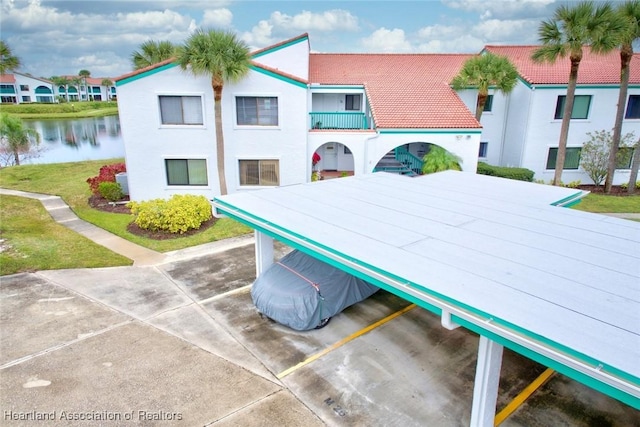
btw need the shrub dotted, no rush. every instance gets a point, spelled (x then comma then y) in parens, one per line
(107, 174)
(520, 174)
(179, 214)
(438, 159)
(112, 191)
(625, 185)
(573, 184)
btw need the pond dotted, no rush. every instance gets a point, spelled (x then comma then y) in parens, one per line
(77, 140)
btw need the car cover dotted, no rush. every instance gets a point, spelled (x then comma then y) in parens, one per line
(300, 291)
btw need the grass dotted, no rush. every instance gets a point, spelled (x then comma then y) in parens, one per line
(31, 241)
(65, 110)
(600, 203)
(68, 180)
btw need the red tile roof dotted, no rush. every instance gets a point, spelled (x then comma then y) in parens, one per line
(594, 69)
(7, 78)
(405, 91)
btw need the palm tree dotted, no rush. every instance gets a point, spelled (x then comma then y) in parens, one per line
(571, 28)
(18, 139)
(8, 61)
(84, 74)
(628, 12)
(485, 71)
(224, 58)
(61, 81)
(108, 83)
(151, 52)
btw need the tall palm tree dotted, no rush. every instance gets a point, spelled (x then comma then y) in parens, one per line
(224, 58)
(17, 138)
(571, 28)
(151, 52)
(84, 74)
(107, 83)
(61, 81)
(483, 72)
(628, 12)
(8, 61)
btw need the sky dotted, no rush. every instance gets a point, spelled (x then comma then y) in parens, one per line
(62, 37)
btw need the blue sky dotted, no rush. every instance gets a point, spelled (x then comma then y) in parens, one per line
(61, 37)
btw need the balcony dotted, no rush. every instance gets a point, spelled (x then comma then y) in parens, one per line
(338, 121)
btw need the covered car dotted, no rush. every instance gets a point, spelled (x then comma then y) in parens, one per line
(303, 293)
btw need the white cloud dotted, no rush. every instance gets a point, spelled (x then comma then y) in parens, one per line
(506, 31)
(384, 40)
(462, 44)
(259, 36)
(330, 20)
(502, 8)
(217, 18)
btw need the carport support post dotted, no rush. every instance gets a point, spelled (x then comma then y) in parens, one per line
(485, 390)
(264, 252)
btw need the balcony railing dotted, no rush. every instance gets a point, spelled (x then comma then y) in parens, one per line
(8, 90)
(341, 120)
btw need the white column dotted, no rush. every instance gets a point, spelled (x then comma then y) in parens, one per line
(485, 390)
(264, 252)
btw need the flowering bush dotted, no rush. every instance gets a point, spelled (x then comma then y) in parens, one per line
(179, 214)
(107, 174)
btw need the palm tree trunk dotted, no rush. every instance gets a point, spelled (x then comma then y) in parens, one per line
(482, 100)
(566, 119)
(635, 165)
(217, 96)
(626, 53)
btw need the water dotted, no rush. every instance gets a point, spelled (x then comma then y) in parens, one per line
(77, 140)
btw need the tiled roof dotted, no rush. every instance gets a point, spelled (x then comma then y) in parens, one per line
(7, 78)
(594, 69)
(405, 91)
(144, 70)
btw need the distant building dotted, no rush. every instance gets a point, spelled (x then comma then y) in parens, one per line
(18, 88)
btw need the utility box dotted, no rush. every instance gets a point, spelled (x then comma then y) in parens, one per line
(121, 178)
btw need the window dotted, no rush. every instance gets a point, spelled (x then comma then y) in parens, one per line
(488, 105)
(181, 110)
(571, 159)
(26, 99)
(352, 103)
(186, 171)
(623, 160)
(633, 107)
(24, 88)
(346, 150)
(257, 111)
(580, 107)
(483, 149)
(259, 172)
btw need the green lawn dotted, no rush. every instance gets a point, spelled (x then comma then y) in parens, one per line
(68, 180)
(65, 110)
(601, 203)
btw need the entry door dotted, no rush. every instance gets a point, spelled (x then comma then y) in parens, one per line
(330, 158)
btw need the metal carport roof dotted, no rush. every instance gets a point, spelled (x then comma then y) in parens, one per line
(558, 285)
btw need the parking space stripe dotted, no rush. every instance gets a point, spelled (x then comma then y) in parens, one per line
(345, 340)
(524, 395)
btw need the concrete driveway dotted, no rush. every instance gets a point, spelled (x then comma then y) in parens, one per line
(180, 343)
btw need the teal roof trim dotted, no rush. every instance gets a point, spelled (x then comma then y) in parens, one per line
(319, 86)
(279, 47)
(145, 74)
(278, 76)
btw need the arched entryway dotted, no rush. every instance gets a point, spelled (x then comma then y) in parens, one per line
(332, 159)
(406, 159)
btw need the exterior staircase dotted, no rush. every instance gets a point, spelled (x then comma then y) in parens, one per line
(396, 161)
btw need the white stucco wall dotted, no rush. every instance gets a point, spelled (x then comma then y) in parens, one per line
(291, 59)
(148, 143)
(286, 142)
(544, 131)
